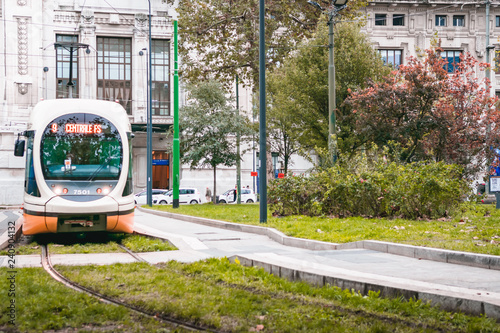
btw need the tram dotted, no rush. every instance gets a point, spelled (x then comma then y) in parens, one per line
(78, 168)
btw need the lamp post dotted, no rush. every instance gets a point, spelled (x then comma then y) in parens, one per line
(71, 47)
(149, 143)
(176, 143)
(333, 11)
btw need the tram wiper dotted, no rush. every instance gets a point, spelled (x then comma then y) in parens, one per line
(98, 170)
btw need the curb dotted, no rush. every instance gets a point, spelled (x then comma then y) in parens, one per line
(449, 299)
(418, 252)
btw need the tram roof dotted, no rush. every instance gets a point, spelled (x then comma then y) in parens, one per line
(51, 109)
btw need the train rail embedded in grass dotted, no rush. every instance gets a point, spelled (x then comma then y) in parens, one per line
(47, 265)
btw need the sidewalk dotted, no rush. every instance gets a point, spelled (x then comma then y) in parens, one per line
(9, 219)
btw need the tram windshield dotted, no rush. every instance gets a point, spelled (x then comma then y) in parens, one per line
(81, 146)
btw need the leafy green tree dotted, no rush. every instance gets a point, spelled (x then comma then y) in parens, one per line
(209, 125)
(299, 88)
(220, 38)
(283, 132)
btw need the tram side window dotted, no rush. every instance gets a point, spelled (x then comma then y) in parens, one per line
(30, 185)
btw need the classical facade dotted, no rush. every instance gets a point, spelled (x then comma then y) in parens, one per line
(101, 49)
(402, 28)
(97, 49)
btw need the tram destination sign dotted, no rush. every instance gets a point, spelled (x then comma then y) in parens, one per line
(78, 128)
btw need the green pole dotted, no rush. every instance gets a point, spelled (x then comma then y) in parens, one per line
(149, 138)
(176, 145)
(238, 161)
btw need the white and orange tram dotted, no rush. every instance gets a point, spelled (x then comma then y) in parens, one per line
(78, 168)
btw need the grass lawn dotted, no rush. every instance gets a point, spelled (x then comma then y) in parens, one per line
(41, 304)
(232, 298)
(475, 229)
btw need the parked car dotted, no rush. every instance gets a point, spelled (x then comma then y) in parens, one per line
(187, 195)
(247, 195)
(141, 197)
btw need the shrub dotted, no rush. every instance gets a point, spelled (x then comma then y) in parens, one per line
(372, 188)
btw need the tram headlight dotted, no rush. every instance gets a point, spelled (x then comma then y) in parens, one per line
(104, 191)
(58, 190)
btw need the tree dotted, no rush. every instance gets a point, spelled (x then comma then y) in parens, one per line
(429, 113)
(209, 125)
(283, 132)
(220, 38)
(298, 90)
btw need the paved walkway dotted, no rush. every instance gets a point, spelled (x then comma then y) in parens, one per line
(468, 285)
(8, 218)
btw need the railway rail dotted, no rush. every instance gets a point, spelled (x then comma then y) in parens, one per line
(47, 265)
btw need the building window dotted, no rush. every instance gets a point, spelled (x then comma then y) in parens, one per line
(392, 58)
(398, 20)
(63, 59)
(452, 58)
(161, 77)
(497, 62)
(114, 70)
(440, 20)
(459, 20)
(380, 19)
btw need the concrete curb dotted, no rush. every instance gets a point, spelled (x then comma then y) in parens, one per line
(452, 299)
(418, 252)
(4, 238)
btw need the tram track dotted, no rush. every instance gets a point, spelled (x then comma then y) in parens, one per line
(56, 275)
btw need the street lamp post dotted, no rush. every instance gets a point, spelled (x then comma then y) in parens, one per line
(71, 47)
(335, 8)
(149, 143)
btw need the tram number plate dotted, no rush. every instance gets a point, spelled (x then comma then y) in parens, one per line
(81, 192)
(84, 223)
(74, 221)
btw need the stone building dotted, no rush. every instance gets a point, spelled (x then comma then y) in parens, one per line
(110, 61)
(402, 28)
(109, 56)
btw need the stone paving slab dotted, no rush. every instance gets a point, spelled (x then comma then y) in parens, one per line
(9, 218)
(32, 260)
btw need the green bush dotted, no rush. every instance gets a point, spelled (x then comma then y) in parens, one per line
(372, 188)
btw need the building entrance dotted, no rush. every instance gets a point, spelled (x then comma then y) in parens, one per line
(161, 170)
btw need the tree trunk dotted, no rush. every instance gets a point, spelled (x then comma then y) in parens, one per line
(214, 199)
(269, 166)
